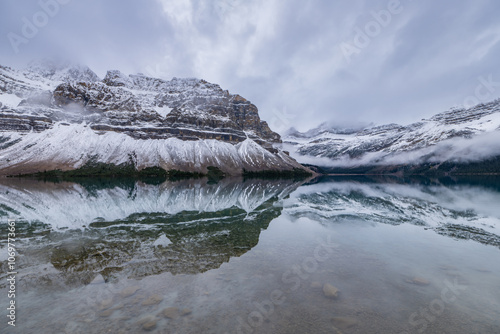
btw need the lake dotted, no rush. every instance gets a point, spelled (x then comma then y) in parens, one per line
(333, 255)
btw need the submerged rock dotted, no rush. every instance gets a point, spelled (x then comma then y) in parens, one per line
(105, 304)
(344, 322)
(129, 291)
(186, 311)
(152, 300)
(171, 312)
(418, 281)
(330, 291)
(148, 322)
(150, 325)
(106, 313)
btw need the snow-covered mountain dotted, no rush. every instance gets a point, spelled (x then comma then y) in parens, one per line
(455, 136)
(61, 116)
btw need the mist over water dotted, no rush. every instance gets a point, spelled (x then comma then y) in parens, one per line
(255, 256)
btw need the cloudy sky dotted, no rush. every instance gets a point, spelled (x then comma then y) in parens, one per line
(302, 62)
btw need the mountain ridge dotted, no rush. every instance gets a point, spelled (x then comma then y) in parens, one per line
(186, 124)
(455, 137)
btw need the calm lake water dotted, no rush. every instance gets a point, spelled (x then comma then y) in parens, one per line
(337, 255)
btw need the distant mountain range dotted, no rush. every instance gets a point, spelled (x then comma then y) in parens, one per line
(453, 142)
(61, 116)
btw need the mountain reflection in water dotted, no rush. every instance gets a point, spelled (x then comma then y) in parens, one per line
(193, 257)
(136, 229)
(459, 208)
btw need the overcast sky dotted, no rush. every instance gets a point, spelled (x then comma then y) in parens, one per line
(346, 62)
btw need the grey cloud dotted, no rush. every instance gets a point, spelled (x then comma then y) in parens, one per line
(283, 55)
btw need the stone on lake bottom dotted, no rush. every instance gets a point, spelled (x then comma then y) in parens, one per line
(330, 291)
(149, 325)
(152, 300)
(185, 311)
(419, 281)
(105, 304)
(106, 313)
(344, 322)
(171, 312)
(129, 291)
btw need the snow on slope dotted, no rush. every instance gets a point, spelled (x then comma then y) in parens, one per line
(9, 100)
(69, 146)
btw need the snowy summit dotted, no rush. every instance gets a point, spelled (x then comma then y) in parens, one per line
(57, 116)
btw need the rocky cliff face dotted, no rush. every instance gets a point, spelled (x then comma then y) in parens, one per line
(152, 121)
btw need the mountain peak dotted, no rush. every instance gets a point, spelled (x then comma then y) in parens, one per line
(185, 123)
(117, 79)
(62, 71)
